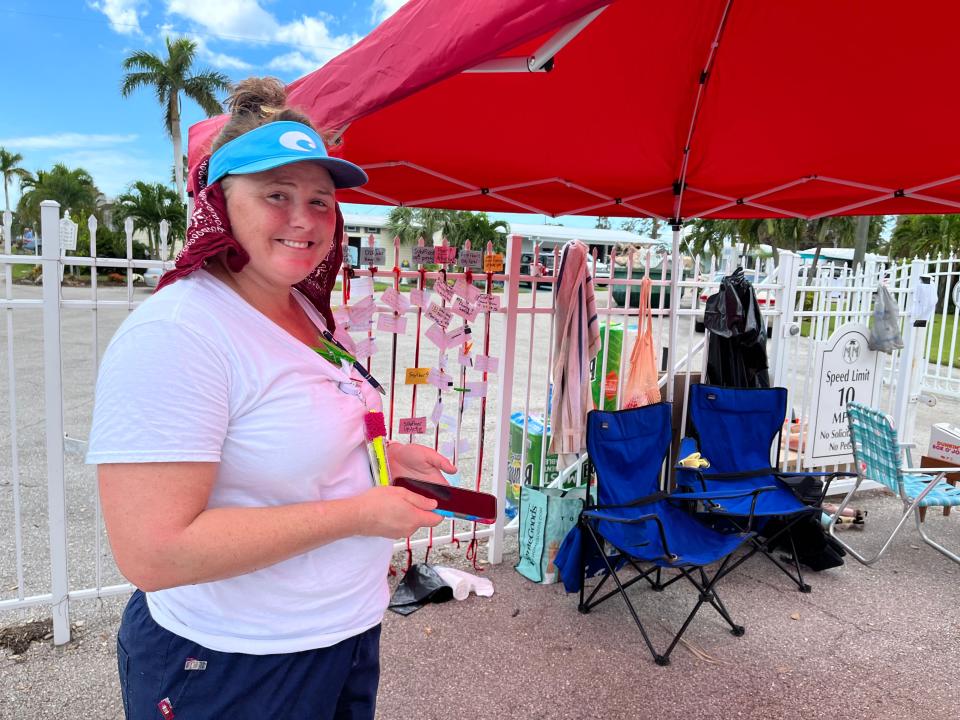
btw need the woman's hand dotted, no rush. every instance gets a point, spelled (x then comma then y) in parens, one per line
(394, 512)
(418, 462)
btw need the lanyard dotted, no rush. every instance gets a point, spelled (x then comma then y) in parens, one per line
(335, 353)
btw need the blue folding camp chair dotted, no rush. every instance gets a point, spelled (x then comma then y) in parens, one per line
(876, 454)
(736, 431)
(646, 528)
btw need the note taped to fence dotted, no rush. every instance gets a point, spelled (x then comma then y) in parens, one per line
(341, 316)
(416, 376)
(437, 413)
(493, 263)
(420, 298)
(437, 336)
(441, 316)
(392, 323)
(443, 290)
(444, 255)
(365, 348)
(476, 390)
(458, 336)
(487, 363)
(439, 379)
(362, 313)
(423, 255)
(395, 300)
(373, 256)
(343, 337)
(466, 290)
(464, 358)
(361, 286)
(413, 426)
(470, 259)
(464, 309)
(488, 303)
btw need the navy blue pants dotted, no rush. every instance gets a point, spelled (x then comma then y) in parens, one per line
(165, 676)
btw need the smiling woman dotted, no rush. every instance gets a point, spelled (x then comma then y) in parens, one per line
(244, 507)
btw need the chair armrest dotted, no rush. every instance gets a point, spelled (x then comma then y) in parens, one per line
(636, 521)
(930, 470)
(725, 496)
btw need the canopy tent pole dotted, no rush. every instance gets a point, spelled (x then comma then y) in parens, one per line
(674, 304)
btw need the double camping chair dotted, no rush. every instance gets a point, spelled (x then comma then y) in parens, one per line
(714, 511)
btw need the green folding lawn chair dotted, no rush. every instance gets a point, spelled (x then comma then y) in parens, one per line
(876, 454)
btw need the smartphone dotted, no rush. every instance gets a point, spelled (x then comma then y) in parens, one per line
(453, 501)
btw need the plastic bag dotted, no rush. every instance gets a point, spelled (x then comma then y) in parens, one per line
(643, 382)
(885, 328)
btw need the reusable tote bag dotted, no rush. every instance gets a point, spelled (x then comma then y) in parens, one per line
(643, 386)
(546, 516)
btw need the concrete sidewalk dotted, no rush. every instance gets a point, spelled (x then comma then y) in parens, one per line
(880, 642)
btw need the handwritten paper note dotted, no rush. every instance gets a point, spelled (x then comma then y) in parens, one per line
(365, 348)
(420, 298)
(341, 316)
(361, 286)
(343, 337)
(423, 255)
(437, 336)
(395, 300)
(493, 263)
(416, 376)
(439, 315)
(437, 412)
(464, 309)
(488, 303)
(444, 255)
(392, 323)
(413, 425)
(458, 336)
(443, 290)
(439, 379)
(362, 313)
(477, 390)
(466, 290)
(487, 363)
(373, 256)
(471, 259)
(464, 358)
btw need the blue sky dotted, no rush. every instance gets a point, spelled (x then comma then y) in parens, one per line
(61, 98)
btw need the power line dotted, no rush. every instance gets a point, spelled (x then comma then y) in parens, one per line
(221, 36)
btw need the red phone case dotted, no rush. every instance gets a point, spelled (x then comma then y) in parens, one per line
(457, 502)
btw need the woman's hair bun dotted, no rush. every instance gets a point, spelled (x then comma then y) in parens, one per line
(257, 96)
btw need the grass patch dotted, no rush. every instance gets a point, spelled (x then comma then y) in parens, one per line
(944, 326)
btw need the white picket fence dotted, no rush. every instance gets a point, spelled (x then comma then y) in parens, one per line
(76, 562)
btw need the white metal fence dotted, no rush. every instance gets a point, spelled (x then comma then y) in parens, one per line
(52, 543)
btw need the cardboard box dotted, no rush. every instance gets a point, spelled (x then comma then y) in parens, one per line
(945, 442)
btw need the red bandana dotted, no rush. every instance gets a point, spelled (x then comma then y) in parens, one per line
(209, 234)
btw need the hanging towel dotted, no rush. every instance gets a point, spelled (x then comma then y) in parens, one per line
(575, 344)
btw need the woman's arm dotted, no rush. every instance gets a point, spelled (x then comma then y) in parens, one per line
(163, 536)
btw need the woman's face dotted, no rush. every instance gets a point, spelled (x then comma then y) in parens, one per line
(285, 219)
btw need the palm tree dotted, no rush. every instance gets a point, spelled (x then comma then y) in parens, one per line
(168, 78)
(149, 204)
(10, 168)
(73, 189)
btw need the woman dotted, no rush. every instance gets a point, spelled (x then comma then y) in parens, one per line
(241, 503)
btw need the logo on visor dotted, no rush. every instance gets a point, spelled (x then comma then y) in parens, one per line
(296, 140)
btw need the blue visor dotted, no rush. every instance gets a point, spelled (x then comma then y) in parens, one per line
(276, 144)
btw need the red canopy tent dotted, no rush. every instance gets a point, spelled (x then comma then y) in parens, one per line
(648, 108)
(693, 108)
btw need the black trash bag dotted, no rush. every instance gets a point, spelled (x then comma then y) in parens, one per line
(737, 354)
(420, 585)
(815, 548)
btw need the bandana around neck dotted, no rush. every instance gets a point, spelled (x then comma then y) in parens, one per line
(209, 234)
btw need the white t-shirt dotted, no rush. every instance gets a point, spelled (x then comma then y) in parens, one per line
(197, 374)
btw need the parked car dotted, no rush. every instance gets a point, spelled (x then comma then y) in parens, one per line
(763, 288)
(151, 276)
(544, 265)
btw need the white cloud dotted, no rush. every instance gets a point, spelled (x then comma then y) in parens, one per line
(217, 59)
(63, 140)
(382, 9)
(246, 20)
(122, 14)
